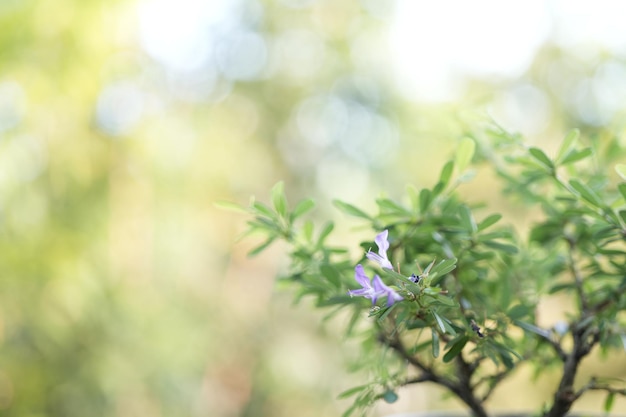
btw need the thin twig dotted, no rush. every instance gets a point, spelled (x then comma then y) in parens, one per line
(593, 385)
(577, 275)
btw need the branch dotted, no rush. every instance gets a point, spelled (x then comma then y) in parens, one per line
(609, 302)
(593, 385)
(427, 372)
(418, 379)
(461, 388)
(578, 279)
(565, 396)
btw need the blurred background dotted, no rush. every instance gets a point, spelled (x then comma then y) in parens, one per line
(122, 290)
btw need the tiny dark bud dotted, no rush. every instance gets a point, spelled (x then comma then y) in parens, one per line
(415, 278)
(476, 328)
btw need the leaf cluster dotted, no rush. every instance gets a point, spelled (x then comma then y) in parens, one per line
(475, 301)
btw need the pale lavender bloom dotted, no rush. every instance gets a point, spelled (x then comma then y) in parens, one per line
(383, 246)
(379, 289)
(367, 291)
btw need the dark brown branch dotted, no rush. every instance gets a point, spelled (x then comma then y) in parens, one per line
(585, 338)
(558, 349)
(418, 379)
(461, 388)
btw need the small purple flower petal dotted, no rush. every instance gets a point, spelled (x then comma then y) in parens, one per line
(367, 291)
(381, 288)
(383, 245)
(373, 289)
(392, 297)
(361, 278)
(382, 242)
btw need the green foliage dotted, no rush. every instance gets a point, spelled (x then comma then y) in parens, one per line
(483, 278)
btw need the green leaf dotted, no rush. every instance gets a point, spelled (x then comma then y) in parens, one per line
(456, 348)
(302, 207)
(393, 274)
(532, 328)
(502, 247)
(441, 269)
(568, 144)
(435, 343)
(575, 155)
(351, 210)
(425, 200)
(608, 402)
(341, 300)
(444, 266)
(446, 172)
(278, 199)
(443, 300)
(350, 392)
(518, 311)
(416, 324)
(230, 206)
(264, 210)
(505, 354)
(464, 153)
(622, 189)
(507, 360)
(350, 410)
(568, 286)
(586, 193)
(429, 267)
(262, 246)
(437, 189)
(439, 321)
(384, 312)
(467, 219)
(621, 170)
(500, 234)
(489, 221)
(448, 325)
(541, 157)
(444, 178)
(331, 274)
(307, 230)
(391, 206)
(328, 227)
(263, 225)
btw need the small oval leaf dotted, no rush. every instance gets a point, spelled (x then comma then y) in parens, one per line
(568, 144)
(541, 157)
(435, 343)
(464, 153)
(302, 207)
(351, 210)
(456, 348)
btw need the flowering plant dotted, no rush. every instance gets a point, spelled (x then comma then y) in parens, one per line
(470, 317)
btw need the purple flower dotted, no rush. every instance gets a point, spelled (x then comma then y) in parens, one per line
(374, 289)
(380, 287)
(383, 246)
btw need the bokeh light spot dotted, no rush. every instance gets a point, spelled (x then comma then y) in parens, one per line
(12, 105)
(119, 107)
